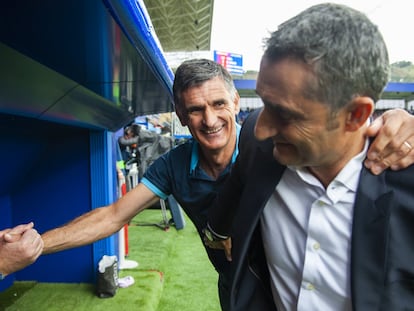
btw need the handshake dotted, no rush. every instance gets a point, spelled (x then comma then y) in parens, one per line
(19, 247)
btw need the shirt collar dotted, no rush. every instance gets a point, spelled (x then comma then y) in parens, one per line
(349, 175)
(195, 155)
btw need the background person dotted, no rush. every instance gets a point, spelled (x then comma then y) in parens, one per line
(129, 143)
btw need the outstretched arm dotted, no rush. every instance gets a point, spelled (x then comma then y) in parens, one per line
(99, 223)
(392, 146)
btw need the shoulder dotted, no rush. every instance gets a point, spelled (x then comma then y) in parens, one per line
(183, 148)
(177, 155)
(169, 170)
(401, 181)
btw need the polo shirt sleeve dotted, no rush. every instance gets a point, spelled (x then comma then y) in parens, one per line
(157, 177)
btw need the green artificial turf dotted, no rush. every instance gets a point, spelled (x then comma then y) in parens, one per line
(173, 274)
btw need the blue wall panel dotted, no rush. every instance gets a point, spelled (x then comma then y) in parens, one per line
(5, 222)
(70, 62)
(49, 185)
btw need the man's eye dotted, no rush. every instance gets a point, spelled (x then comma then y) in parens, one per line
(193, 111)
(219, 105)
(284, 116)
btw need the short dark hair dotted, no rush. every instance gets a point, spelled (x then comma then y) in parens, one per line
(345, 50)
(194, 72)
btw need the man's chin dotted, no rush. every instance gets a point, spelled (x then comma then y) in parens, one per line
(213, 144)
(214, 139)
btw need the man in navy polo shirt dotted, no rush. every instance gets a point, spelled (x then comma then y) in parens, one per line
(207, 102)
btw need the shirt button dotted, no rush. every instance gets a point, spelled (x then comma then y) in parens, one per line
(316, 246)
(310, 286)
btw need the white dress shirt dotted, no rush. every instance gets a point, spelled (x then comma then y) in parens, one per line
(306, 233)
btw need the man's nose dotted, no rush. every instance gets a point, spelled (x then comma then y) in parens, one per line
(209, 117)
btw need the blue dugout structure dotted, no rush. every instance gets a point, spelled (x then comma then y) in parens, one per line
(72, 73)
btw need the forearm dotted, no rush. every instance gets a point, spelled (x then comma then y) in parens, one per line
(83, 230)
(99, 223)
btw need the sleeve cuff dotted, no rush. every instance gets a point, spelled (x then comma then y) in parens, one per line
(217, 235)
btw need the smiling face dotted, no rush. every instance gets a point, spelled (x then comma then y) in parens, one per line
(304, 131)
(209, 111)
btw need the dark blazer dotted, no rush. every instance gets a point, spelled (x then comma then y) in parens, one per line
(382, 255)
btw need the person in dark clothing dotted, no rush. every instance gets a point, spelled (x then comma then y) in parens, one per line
(311, 228)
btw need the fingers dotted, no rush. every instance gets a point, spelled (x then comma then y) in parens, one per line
(375, 127)
(402, 157)
(17, 255)
(224, 245)
(227, 249)
(391, 147)
(21, 228)
(3, 232)
(213, 244)
(10, 238)
(14, 234)
(407, 160)
(32, 243)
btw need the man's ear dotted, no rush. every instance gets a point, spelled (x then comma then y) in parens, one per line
(360, 109)
(237, 103)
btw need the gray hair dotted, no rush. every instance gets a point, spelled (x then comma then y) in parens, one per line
(195, 72)
(343, 47)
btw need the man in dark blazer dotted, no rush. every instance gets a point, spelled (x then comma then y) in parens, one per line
(310, 227)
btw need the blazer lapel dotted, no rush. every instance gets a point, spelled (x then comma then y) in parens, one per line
(369, 241)
(261, 184)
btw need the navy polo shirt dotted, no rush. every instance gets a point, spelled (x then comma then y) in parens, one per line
(178, 173)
